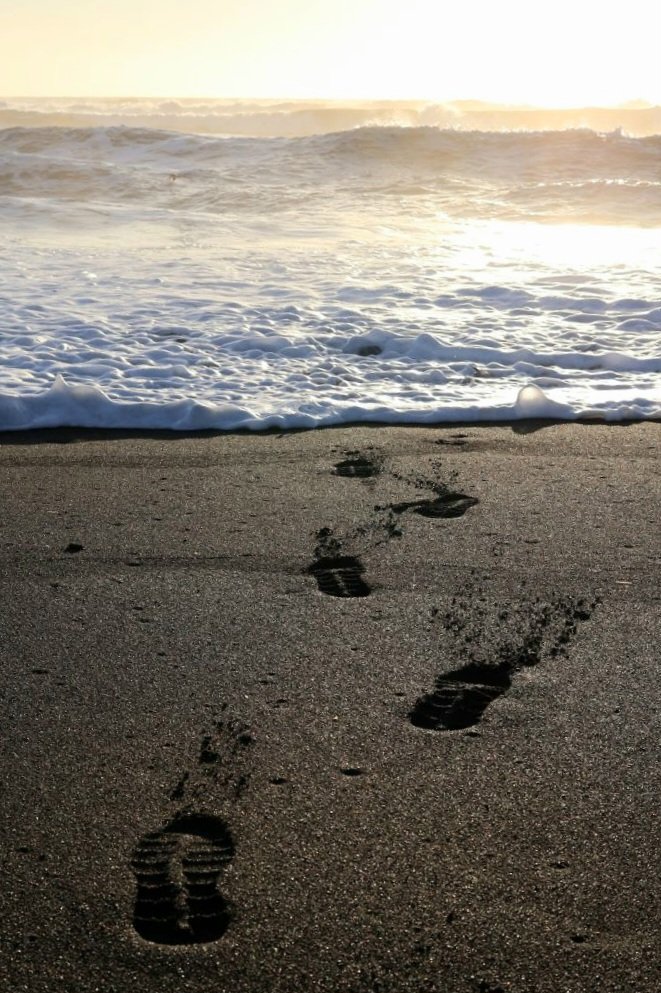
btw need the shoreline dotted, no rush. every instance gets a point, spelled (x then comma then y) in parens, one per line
(395, 688)
(73, 432)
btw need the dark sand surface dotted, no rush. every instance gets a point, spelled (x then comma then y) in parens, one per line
(167, 651)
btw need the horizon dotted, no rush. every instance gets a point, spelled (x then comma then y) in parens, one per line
(465, 102)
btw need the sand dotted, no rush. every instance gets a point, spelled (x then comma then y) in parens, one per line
(362, 709)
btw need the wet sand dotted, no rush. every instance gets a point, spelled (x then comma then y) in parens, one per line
(361, 709)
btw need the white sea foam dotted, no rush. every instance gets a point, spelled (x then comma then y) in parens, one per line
(152, 279)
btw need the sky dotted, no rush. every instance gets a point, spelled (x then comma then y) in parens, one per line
(547, 53)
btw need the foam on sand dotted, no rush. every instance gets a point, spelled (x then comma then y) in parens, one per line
(88, 406)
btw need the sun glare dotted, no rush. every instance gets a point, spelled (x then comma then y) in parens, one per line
(576, 246)
(560, 54)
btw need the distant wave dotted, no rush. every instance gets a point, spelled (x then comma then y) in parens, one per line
(575, 152)
(573, 175)
(300, 118)
(580, 149)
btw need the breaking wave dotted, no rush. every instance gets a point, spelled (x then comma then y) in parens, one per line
(269, 118)
(578, 175)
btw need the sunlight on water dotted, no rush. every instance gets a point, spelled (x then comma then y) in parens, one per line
(518, 253)
(182, 280)
(577, 246)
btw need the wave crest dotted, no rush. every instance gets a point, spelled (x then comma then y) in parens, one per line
(573, 175)
(264, 118)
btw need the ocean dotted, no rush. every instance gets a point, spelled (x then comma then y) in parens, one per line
(232, 264)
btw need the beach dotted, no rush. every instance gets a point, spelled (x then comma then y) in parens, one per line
(356, 709)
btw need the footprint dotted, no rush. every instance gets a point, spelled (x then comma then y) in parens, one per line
(518, 636)
(447, 505)
(358, 466)
(460, 698)
(340, 576)
(176, 871)
(456, 440)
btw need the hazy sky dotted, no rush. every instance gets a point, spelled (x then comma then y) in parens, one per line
(560, 52)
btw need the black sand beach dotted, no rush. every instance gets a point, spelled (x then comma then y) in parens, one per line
(366, 709)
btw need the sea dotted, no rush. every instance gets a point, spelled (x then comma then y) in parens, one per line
(208, 264)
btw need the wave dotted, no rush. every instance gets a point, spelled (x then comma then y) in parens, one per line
(576, 175)
(575, 152)
(264, 118)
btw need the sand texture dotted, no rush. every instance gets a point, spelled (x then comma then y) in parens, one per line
(366, 710)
